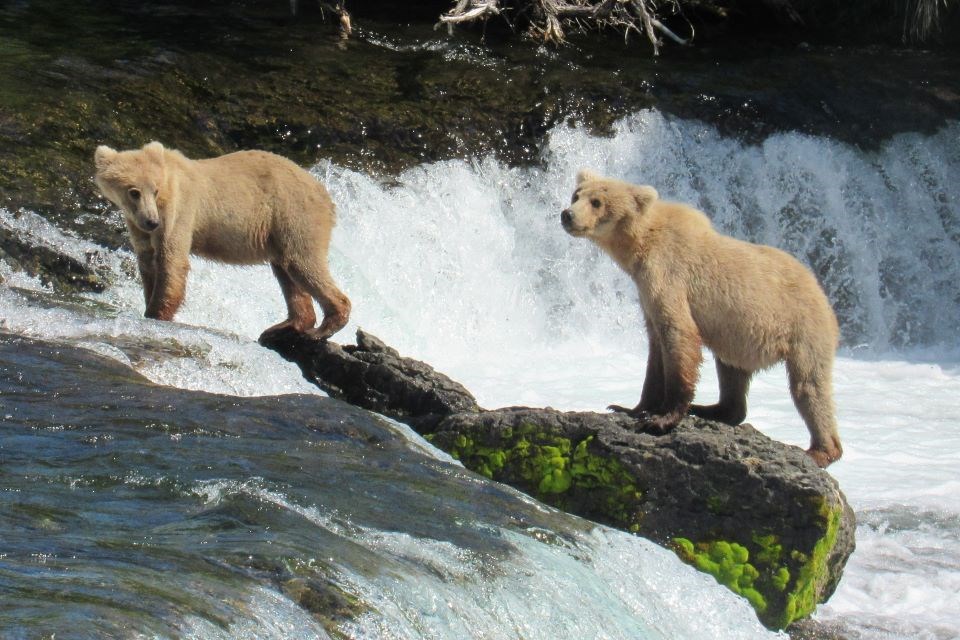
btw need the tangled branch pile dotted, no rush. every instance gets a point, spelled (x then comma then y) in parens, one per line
(548, 19)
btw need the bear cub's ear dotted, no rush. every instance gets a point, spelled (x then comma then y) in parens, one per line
(155, 149)
(103, 156)
(644, 196)
(586, 174)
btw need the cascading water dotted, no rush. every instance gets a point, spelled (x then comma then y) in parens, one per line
(464, 265)
(478, 250)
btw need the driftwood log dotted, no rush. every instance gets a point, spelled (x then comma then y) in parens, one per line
(756, 514)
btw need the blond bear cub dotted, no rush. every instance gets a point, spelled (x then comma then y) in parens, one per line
(752, 305)
(247, 207)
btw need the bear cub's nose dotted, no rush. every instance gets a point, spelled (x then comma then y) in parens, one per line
(566, 218)
(151, 224)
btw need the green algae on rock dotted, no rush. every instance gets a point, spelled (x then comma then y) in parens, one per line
(781, 584)
(728, 562)
(559, 471)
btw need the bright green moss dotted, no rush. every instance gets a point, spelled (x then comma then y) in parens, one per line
(781, 578)
(754, 597)
(728, 563)
(769, 549)
(782, 586)
(684, 548)
(813, 572)
(555, 469)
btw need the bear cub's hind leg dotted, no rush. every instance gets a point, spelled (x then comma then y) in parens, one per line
(300, 314)
(336, 306)
(810, 387)
(732, 407)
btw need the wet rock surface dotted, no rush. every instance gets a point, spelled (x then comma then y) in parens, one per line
(374, 376)
(756, 514)
(55, 269)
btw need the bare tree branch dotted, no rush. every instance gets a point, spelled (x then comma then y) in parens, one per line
(640, 8)
(469, 11)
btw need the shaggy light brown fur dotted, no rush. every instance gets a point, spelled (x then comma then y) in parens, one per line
(247, 207)
(752, 305)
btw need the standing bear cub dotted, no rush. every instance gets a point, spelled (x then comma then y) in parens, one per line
(752, 305)
(247, 207)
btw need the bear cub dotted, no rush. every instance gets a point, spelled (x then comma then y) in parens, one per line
(752, 305)
(247, 207)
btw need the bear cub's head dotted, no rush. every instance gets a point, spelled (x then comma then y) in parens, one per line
(600, 204)
(133, 180)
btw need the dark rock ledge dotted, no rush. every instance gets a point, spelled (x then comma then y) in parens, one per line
(53, 267)
(756, 514)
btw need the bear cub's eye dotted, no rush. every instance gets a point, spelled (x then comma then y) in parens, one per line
(575, 197)
(595, 203)
(134, 194)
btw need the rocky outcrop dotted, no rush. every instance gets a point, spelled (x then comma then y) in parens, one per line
(756, 514)
(374, 376)
(53, 268)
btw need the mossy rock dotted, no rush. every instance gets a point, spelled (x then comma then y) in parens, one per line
(783, 585)
(757, 515)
